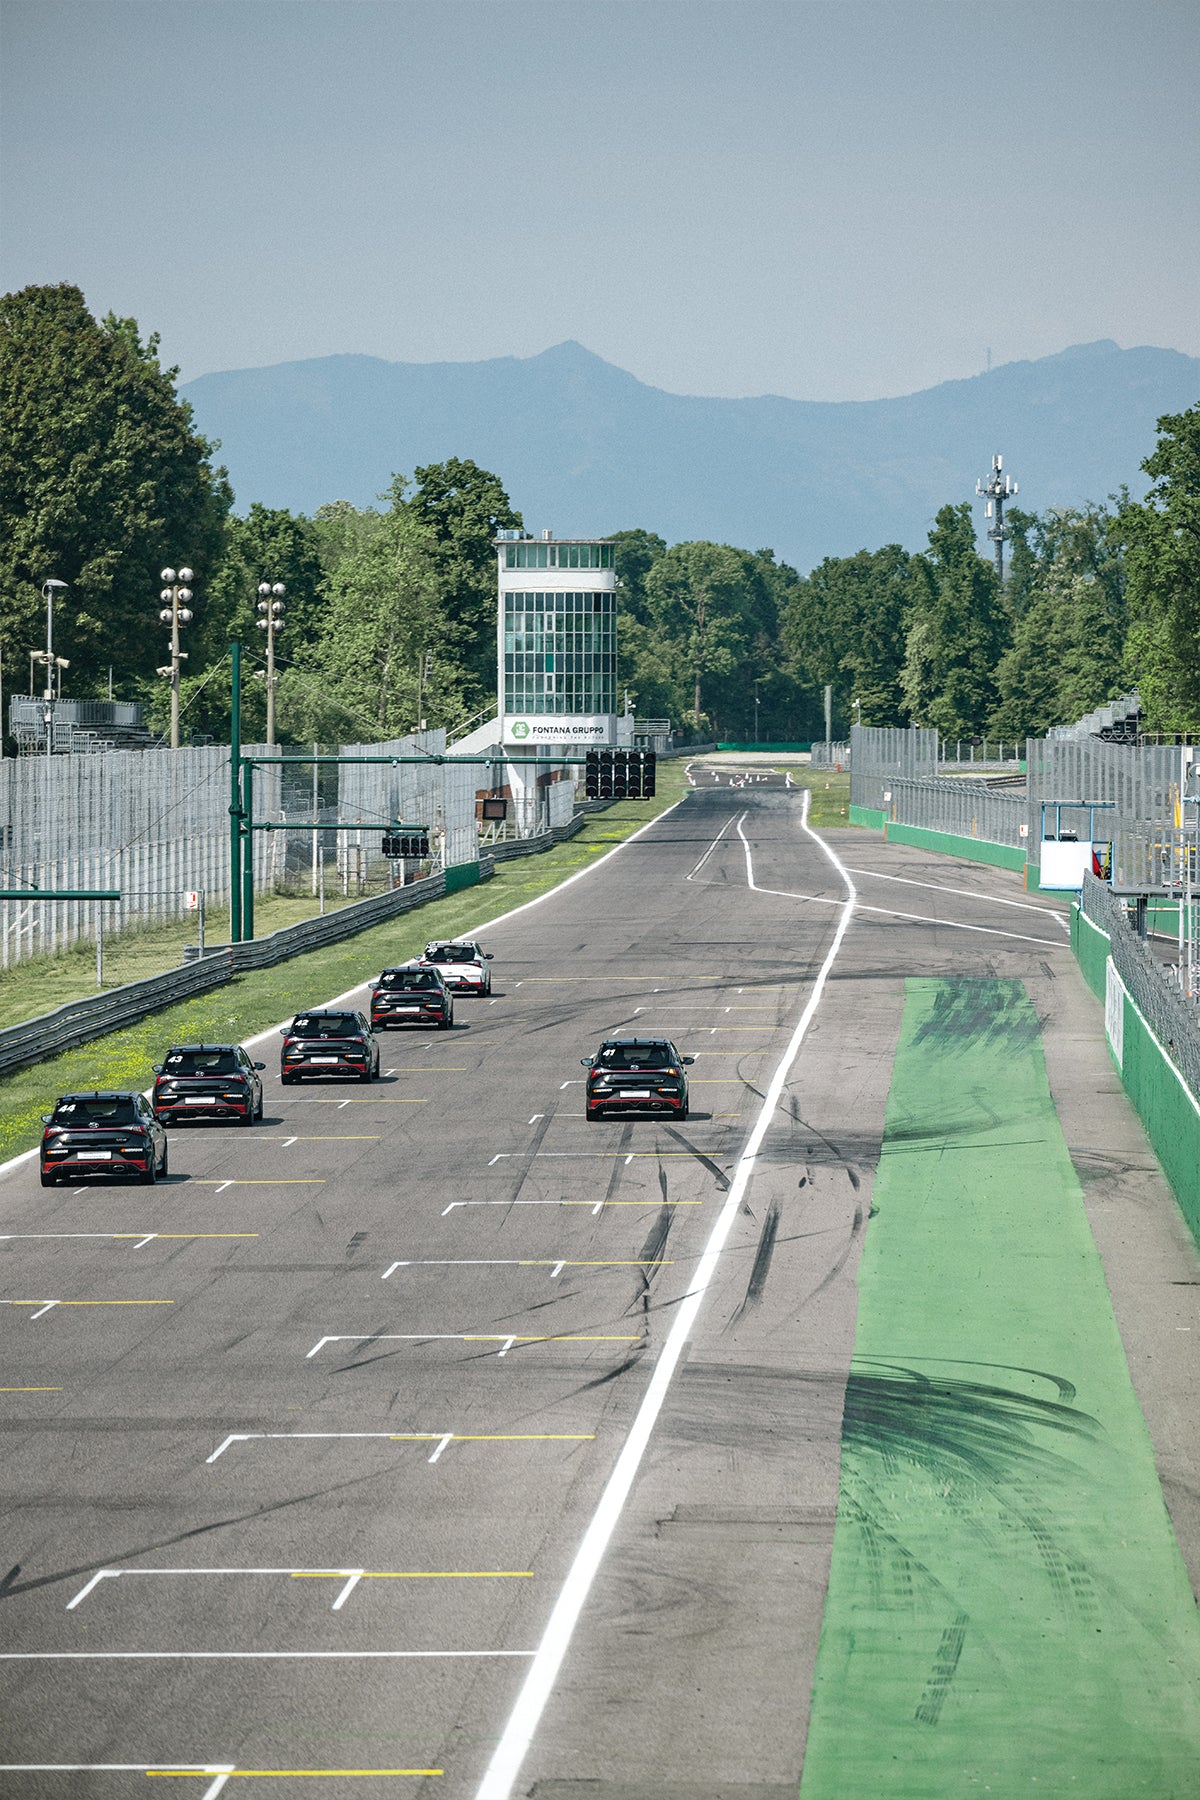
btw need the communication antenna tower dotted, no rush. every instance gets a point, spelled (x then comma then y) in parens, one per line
(996, 490)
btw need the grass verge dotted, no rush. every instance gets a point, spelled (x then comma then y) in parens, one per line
(252, 1002)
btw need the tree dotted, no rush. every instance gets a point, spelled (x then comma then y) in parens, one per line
(387, 648)
(462, 507)
(1162, 536)
(846, 625)
(103, 481)
(949, 676)
(704, 607)
(634, 554)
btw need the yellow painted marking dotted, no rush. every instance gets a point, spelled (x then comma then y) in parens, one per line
(499, 1437)
(415, 1574)
(34, 1390)
(336, 1137)
(606, 1262)
(558, 1337)
(88, 1303)
(361, 1100)
(609, 1203)
(237, 1774)
(286, 1181)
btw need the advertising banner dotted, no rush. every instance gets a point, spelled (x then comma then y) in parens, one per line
(558, 730)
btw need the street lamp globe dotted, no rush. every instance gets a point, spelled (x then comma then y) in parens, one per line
(166, 575)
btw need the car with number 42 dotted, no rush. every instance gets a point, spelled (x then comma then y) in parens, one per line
(325, 1042)
(411, 995)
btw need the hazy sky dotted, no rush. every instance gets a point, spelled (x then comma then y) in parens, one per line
(828, 199)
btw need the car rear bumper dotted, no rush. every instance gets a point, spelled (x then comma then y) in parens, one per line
(654, 1102)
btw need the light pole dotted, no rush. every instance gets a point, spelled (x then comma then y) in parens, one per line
(756, 712)
(175, 596)
(270, 620)
(48, 587)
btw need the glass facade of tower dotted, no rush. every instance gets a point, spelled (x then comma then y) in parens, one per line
(560, 645)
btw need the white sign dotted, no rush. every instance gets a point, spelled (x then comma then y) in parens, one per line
(558, 728)
(1114, 1011)
(1064, 865)
(191, 900)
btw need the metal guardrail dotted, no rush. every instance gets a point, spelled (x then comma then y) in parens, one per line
(78, 1021)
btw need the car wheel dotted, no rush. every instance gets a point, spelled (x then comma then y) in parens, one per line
(592, 1112)
(49, 1180)
(247, 1118)
(445, 1022)
(162, 1173)
(683, 1111)
(149, 1174)
(289, 1080)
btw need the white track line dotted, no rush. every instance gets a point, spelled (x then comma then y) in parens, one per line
(502, 1771)
(940, 887)
(725, 827)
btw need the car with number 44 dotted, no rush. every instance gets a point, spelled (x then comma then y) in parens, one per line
(102, 1133)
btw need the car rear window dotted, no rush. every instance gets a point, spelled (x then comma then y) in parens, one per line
(635, 1056)
(119, 1110)
(326, 1025)
(201, 1062)
(408, 979)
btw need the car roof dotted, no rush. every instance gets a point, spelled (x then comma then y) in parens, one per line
(100, 1094)
(327, 1012)
(177, 1048)
(628, 1043)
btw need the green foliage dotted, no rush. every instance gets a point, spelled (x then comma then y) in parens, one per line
(1069, 622)
(846, 624)
(103, 482)
(462, 507)
(634, 554)
(1162, 536)
(957, 630)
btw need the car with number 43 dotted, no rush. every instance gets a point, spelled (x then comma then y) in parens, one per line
(463, 965)
(102, 1133)
(636, 1075)
(207, 1081)
(325, 1042)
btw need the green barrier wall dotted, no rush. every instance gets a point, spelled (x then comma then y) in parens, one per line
(461, 875)
(872, 817)
(1091, 947)
(969, 849)
(1166, 1107)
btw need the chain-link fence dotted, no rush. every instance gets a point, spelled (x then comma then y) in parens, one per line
(834, 755)
(958, 808)
(879, 756)
(1174, 1020)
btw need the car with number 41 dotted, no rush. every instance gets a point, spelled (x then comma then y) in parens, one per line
(636, 1075)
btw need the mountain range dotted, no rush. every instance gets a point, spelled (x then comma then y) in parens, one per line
(585, 448)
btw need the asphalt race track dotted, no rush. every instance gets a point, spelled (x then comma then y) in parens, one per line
(428, 1439)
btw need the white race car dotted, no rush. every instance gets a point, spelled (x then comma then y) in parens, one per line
(463, 966)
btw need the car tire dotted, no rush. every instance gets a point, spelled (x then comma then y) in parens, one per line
(149, 1174)
(367, 1074)
(163, 1172)
(288, 1080)
(445, 1022)
(684, 1110)
(247, 1118)
(49, 1180)
(592, 1113)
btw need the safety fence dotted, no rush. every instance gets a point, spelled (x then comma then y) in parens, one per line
(1153, 1034)
(830, 755)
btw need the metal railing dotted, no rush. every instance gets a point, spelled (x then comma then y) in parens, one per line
(1174, 1020)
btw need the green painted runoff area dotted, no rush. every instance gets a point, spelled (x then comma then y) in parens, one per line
(1008, 1611)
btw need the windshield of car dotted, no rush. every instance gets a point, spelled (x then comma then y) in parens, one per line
(326, 1025)
(634, 1056)
(408, 979)
(116, 1109)
(201, 1062)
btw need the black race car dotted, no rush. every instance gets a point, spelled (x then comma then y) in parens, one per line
(411, 995)
(328, 1043)
(111, 1134)
(207, 1081)
(636, 1075)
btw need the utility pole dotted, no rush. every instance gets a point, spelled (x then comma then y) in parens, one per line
(996, 490)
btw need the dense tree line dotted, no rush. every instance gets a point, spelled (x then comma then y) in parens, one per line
(390, 610)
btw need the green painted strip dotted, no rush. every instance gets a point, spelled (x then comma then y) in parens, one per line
(873, 817)
(1008, 1612)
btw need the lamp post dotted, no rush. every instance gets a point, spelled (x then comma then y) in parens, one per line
(48, 587)
(756, 712)
(270, 620)
(175, 596)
